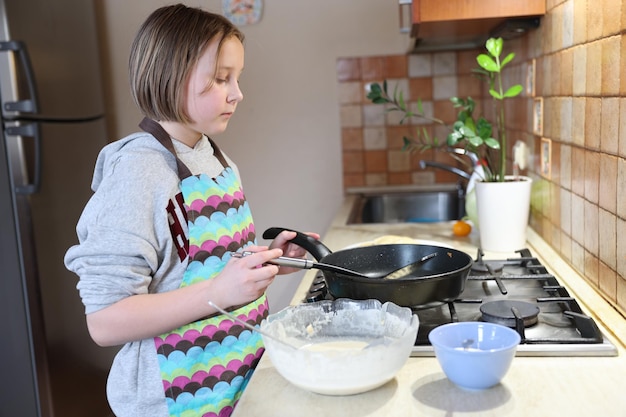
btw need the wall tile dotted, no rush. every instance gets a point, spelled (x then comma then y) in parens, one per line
(353, 162)
(622, 59)
(608, 183)
(593, 119)
(348, 69)
(568, 24)
(373, 115)
(578, 219)
(547, 76)
(566, 167)
(579, 72)
(621, 146)
(375, 179)
(621, 250)
(610, 64)
(565, 119)
(398, 161)
(555, 206)
(594, 20)
(350, 116)
(594, 68)
(397, 86)
(349, 92)
(621, 292)
(372, 68)
(556, 166)
(421, 88)
(444, 63)
(566, 72)
(395, 66)
(556, 28)
(374, 138)
(578, 121)
(609, 134)
(591, 175)
(580, 21)
(608, 282)
(566, 247)
(352, 139)
(420, 65)
(426, 108)
(469, 86)
(376, 161)
(611, 17)
(353, 180)
(399, 178)
(550, 120)
(578, 257)
(591, 268)
(395, 118)
(395, 135)
(422, 177)
(444, 87)
(590, 223)
(466, 61)
(608, 238)
(621, 192)
(578, 171)
(445, 111)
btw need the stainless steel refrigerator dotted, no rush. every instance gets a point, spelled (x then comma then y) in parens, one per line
(53, 126)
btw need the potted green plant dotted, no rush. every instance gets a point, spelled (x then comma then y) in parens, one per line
(475, 134)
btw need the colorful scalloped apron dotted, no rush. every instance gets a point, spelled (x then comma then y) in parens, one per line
(206, 365)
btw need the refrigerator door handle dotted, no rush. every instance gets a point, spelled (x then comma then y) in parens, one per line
(29, 105)
(29, 130)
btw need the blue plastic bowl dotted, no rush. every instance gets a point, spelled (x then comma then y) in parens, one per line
(474, 355)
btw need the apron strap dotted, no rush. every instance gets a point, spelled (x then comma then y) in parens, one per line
(156, 130)
(218, 153)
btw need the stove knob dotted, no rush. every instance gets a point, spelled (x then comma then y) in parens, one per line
(314, 296)
(319, 279)
(319, 288)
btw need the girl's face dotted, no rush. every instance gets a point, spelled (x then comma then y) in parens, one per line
(213, 91)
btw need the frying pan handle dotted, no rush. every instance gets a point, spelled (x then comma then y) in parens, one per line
(312, 245)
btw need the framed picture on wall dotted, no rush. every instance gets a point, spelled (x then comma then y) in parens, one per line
(530, 78)
(546, 158)
(538, 116)
(242, 12)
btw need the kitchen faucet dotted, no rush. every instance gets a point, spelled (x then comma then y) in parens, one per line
(470, 177)
(424, 164)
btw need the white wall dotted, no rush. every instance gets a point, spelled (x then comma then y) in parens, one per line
(286, 135)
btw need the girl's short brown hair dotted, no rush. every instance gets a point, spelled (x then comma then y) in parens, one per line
(165, 51)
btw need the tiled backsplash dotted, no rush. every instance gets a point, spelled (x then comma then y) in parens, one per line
(579, 194)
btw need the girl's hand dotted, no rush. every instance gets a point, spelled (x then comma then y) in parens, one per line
(244, 279)
(283, 241)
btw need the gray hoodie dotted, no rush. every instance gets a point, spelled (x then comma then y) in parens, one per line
(126, 248)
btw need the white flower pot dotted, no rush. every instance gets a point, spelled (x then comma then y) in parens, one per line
(503, 209)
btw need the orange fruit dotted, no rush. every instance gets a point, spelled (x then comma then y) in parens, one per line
(461, 228)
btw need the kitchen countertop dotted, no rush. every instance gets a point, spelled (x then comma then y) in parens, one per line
(541, 386)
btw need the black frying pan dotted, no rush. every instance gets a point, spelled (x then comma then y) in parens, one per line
(440, 280)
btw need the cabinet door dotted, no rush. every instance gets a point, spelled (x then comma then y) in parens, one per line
(433, 17)
(438, 10)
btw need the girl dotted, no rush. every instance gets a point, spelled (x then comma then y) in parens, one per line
(155, 238)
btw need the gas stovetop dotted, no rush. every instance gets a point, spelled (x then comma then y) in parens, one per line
(517, 292)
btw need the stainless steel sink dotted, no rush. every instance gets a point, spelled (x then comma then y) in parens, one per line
(423, 204)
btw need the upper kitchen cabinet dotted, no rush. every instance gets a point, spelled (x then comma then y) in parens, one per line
(460, 24)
